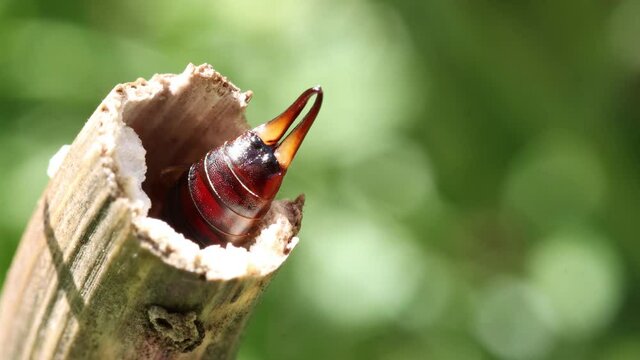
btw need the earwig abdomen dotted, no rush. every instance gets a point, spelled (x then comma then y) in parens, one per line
(224, 196)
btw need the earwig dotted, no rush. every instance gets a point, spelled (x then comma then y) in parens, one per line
(223, 197)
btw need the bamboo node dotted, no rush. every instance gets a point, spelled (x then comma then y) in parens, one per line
(181, 331)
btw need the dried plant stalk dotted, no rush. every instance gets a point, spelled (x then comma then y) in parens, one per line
(96, 276)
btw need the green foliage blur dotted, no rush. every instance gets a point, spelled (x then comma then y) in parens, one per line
(472, 180)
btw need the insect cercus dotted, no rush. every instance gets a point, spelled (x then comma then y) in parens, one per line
(223, 197)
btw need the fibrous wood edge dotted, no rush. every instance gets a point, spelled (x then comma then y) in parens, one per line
(96, 277)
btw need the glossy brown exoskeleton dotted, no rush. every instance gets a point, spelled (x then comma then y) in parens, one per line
(223, 197)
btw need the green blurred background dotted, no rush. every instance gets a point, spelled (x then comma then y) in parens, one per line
(472, 181)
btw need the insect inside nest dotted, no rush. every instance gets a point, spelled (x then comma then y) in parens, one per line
(223, 197)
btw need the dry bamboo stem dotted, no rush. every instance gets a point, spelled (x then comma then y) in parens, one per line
(96, 277)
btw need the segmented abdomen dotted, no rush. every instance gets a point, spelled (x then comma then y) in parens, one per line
(214, 206)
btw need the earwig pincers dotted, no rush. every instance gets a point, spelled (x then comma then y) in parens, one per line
(223, 197)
